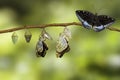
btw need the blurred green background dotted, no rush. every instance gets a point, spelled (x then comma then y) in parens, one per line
(93, 56)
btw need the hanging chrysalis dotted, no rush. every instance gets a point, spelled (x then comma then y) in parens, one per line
(62, 46)
(28, 36)
(45, 35)
(67, 33)
(41, 48)
(62, 43)
(14, 37)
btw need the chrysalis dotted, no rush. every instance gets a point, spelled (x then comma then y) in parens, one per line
(62, 46)
(67, 33)
(60, 54)
(28, 36)
(14, 37)
(45, 35)
(41, 48)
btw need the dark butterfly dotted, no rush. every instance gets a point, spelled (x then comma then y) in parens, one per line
(94, 21)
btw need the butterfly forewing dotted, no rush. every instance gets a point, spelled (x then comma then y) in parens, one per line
(85, 17)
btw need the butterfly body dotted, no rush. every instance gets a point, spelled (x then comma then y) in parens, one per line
(94, 21)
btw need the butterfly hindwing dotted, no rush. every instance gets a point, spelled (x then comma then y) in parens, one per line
(106, 20)
(98, 28)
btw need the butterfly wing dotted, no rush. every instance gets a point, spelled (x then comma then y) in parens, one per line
(85, 17)
(106, 21)
(98, 28)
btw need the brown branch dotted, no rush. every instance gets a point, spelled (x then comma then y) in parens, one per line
(113, 29)
(50, 25)
(40, 26)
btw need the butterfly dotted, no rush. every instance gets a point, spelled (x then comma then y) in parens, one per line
(94, 21)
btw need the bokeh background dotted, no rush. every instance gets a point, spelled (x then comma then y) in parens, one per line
(93, 56)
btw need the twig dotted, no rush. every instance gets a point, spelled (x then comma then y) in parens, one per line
(113, 29)
(40, 26)
(50, 25)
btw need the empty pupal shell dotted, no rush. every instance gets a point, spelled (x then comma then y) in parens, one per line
(62, 46)
(14, 37)
(60, 54)
(45, 35)
(41, 48)
(28, 36)
(67, 33)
